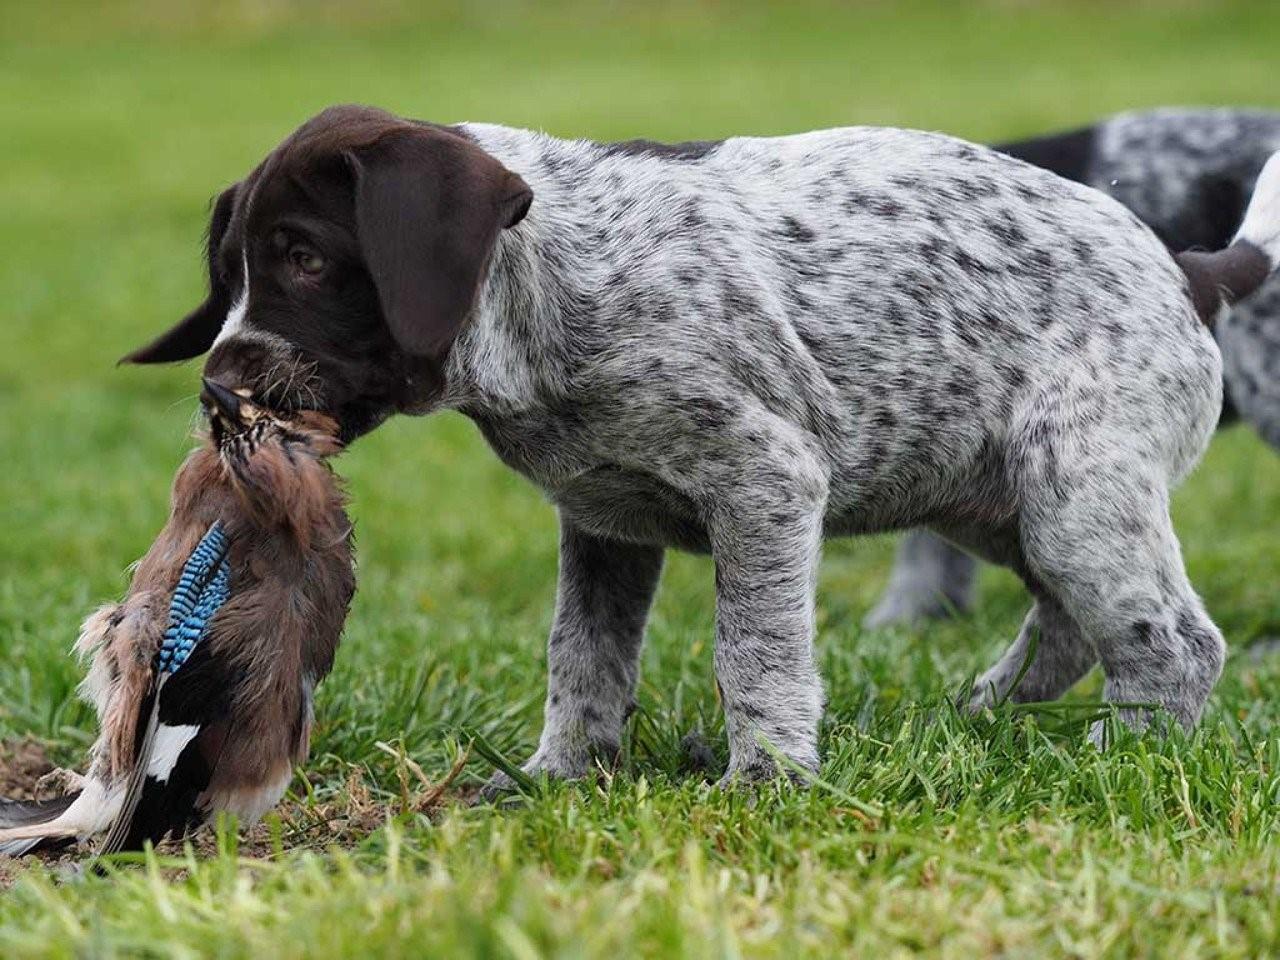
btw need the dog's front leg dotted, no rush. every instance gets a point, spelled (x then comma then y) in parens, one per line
(766, 542)
(602, 604)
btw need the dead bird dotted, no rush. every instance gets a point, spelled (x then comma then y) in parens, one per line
(203, 675)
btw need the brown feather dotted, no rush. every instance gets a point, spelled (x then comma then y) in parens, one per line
(292, 583)
(292, 580)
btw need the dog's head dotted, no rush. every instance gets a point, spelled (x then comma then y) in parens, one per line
(343, 267)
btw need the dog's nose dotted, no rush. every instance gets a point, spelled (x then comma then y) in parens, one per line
(217, 399)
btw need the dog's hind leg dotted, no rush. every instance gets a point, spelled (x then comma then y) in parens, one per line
(1060, 654)
(1050, 652)
(1097, 534)
(931, 579)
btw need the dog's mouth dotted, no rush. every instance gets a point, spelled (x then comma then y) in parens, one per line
(274, 377)
(285, 384)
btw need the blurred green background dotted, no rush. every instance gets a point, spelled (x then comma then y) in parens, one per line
(118, 122)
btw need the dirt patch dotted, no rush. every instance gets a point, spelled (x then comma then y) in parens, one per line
(347, 816)
(343, 821)
(22, 765)
(27, 773)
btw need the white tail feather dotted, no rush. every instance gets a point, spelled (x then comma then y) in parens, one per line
(90, 813)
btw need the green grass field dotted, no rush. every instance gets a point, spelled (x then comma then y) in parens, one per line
(996, 836)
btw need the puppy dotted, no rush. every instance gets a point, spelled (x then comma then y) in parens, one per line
(1188, 174)
(740, 348)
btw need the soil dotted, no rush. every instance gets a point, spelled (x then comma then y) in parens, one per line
(297, 822)
(22, 764)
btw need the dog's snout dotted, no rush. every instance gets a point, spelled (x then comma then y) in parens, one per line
(270, 372)
(238, 360)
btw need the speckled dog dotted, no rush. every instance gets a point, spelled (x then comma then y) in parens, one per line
(1187, 173)
(740, 347)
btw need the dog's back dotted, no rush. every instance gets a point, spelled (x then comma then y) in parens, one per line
(902, 298)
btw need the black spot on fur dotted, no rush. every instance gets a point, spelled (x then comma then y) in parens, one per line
(687, 151)
(795, 231)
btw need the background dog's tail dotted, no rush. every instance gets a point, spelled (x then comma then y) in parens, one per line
(1220, 279)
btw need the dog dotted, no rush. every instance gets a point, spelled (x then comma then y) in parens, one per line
(740, 347)
(1188, 174)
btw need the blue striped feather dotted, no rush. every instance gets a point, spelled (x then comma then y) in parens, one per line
(203, 587)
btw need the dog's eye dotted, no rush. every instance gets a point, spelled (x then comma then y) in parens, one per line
(307, 260)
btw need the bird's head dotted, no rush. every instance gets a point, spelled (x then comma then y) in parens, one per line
(274, 459)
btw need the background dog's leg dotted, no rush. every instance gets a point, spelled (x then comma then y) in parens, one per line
(1063, 654)
(1250, 340)
(602, 603)
(766, 548)
(930, 579)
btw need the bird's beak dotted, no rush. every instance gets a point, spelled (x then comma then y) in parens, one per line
(220, 402)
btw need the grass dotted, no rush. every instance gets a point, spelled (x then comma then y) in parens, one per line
(1002, 835)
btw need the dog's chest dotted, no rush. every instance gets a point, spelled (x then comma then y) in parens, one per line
(632, 506)
(601, 497)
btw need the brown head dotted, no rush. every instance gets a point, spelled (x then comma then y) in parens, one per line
(274, 461)
(343, 267)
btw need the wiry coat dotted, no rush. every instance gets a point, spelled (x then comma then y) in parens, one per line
(746, 346)
(236, 718)
(1188, 173)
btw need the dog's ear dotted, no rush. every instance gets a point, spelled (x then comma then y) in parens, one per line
(195, 333)
(429, 207)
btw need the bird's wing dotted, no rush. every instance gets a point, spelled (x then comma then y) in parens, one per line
(188, 724)
(158, 796)
(123, 825)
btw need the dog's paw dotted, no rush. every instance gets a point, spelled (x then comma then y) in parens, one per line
(985, 695)
(696, 755)
(763, 769)
(548, 765)
(498, 787)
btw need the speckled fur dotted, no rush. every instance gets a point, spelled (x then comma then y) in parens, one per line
(841, 332)
(742, 347)
(1188, 174)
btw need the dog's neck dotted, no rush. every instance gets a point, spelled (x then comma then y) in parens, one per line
(518, 349)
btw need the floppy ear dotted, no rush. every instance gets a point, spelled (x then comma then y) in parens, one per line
(429, 206)
(195, 333)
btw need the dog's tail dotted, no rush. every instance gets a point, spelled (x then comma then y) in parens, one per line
(1222, 278)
